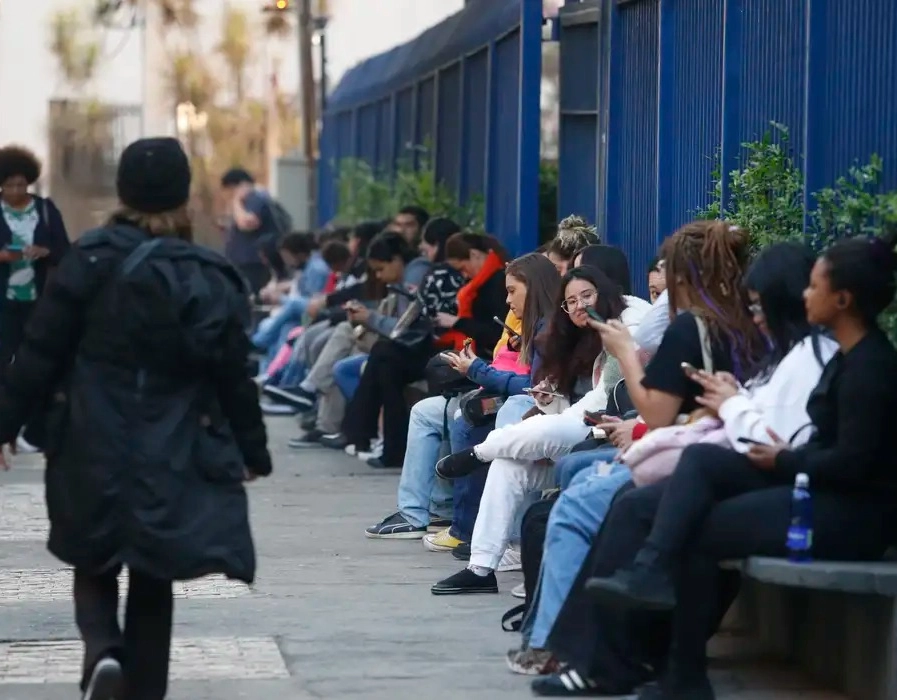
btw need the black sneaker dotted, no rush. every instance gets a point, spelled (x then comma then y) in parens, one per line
(395, 527)
(311, 439)
(296, 396)
(569, 683)
(640, 587)
(335, 441)
(106, 681)
(465, 581)
(458, 465)
(462, 552)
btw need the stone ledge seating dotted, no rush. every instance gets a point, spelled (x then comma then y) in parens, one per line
(836, 620)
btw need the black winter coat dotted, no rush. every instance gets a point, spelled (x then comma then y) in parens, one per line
(145, 466)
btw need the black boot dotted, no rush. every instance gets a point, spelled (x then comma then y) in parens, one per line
(698, 689)
(646, 585)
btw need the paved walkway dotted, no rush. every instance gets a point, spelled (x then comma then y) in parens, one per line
(332, 615)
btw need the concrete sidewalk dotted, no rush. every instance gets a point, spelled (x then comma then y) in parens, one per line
(332, 615)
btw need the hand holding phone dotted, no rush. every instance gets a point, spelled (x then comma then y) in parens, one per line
(594, 315)
(511, 331)
(689, 369)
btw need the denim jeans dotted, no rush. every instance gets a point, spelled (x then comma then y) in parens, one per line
(272, 332)
(566, 468)
(575, 519)
(421, 492)
(347, 374)
(469, 490)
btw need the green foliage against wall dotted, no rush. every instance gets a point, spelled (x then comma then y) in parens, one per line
(767, 197)
(367, 194)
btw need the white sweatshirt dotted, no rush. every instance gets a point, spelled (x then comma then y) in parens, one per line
(780, 403)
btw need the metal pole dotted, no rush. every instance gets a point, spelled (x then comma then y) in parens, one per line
(322, 36)
(307, 81)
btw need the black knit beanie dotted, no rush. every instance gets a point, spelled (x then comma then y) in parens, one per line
(154, 175)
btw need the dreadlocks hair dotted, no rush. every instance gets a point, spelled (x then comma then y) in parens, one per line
(574, 233)
(705, 263)
(18, 160)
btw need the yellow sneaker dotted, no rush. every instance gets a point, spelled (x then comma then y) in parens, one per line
(441, 541)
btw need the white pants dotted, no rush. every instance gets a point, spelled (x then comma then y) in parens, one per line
(507, 485)
(514, 451)
(539, 437)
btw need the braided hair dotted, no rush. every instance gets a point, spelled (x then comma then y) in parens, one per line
(705, 265)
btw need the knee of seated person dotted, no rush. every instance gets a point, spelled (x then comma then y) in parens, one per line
(697, 459)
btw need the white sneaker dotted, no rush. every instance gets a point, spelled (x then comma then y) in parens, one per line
(519, 591)
(510, 560)
(24, 447)
(376, 451)
(351, 450)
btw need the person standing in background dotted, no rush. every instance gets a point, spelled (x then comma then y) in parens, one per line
(255, 219)
(33, 240)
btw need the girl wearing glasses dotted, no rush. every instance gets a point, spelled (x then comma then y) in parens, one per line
(577, 375)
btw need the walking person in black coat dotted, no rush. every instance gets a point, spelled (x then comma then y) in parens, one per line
(134, 368)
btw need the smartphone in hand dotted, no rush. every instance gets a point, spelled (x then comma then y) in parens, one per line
(594, 315)
(689, 370)
(594, 417)
(750, 441)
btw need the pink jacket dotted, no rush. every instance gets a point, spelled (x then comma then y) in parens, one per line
(656, 455)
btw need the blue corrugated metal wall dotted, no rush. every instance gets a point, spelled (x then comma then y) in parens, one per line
(685, 82)
(470, 89)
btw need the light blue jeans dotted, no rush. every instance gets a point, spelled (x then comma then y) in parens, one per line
(273, 331)
(421, 492)
(568, 466)
(574, 520)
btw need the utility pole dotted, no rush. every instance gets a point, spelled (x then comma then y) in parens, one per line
(307, 82)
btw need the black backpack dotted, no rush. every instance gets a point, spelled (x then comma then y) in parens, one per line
(532, 541)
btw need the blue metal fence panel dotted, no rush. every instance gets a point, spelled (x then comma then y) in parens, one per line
(475, 118)
(469, 89)
(689, 114)
(578, 137)
(632, 132)
(448, 127)
(404, 125)
(854, 88)
(502, 182)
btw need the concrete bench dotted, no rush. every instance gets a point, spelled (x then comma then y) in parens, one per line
(837, 620)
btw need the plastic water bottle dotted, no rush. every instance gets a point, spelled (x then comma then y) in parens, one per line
(800, 532)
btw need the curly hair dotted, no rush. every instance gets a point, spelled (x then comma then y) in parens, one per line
(18, 160)
(574, 234)
(568, 352)
(705, 263)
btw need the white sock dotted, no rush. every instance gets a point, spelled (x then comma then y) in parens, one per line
(480, 570)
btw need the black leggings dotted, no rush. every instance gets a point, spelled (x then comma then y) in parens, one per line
(144, 647)
(389, 369)
(718, 506)
(14, 317)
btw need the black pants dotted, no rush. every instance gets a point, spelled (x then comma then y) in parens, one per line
(614, 646)
(718, 506)
(14, 316)
(256, 274)
(144, 647)
(389, 369)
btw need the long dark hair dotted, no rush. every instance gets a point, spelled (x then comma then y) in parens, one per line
(779, 276)
(436, 232)
(568, 352)
(705, 264)
(542, 283)
(611, 261)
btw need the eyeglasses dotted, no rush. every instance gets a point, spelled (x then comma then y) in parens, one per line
(755, 309)
(584, 300)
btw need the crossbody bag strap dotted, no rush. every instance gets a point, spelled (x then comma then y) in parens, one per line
(706, 352)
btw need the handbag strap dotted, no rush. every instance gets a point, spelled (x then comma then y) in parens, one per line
(706, 352)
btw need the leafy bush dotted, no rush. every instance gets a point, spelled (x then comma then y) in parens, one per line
(365, 193)
(767, 195)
